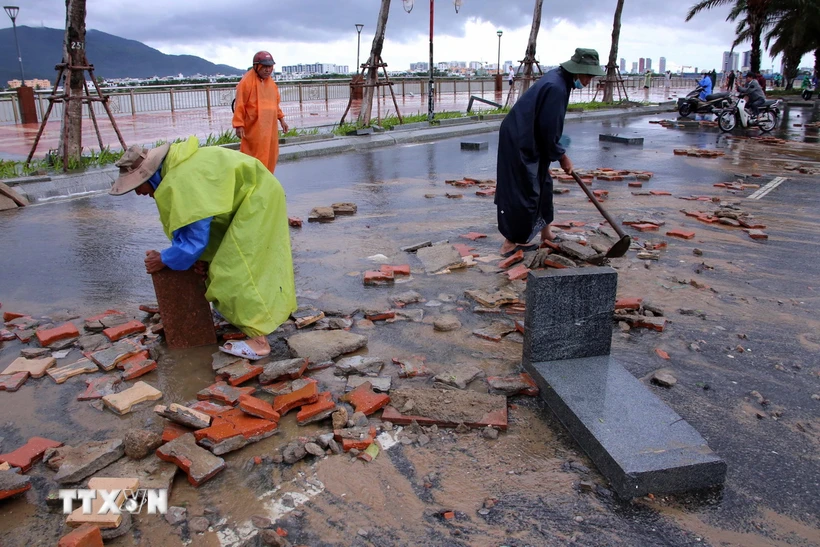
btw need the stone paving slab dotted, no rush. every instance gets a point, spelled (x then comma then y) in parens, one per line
(199, 464)
(74, 463)
(36, 367)
(637, 442)
(62, 373)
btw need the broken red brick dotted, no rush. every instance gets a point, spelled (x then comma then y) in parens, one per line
(239, 372)
(628, 303)
(99, 387)
(550, 245)
(209, 407)
(448, 515)
(645, 227)
(472, 236)
(233, 423)
(199, 464)
(654, 323)
(662, 354)
(126, 329)
(601, 193)
(103, 315)
(358, 438)
(757, 234)
(404, 269)
(518, 256)
(324, 403)
(553, 264)
(173, 430)
(486, 193)
(30, 453)
(296, 222)
(46, 337)
(465, 250)
(635, 185)
(380, 316)
(309, 394)
(257, 407)
(6, 335)
(87, 535)
(13, 382)
(518, 272)
(149, 308)
(134, 369)
(519, 326)
(377, 277)
(365, 400)
(660, 193)
(222, 392)
(683, 234)
(24, 336)
(533, 390)
(228, 336)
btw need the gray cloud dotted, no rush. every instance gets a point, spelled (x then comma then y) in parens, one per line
(208, 22)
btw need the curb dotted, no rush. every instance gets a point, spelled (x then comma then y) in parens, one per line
(42, 189)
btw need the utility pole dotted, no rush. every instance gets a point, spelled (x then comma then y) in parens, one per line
(373, 64)
(71, 131)
(430, 84)
(612, 75)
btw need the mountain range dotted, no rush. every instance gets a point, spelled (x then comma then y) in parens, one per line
(112, 56)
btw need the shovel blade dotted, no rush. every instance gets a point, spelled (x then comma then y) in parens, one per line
(620, 248)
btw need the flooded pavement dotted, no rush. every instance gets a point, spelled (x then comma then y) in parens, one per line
(755, 327)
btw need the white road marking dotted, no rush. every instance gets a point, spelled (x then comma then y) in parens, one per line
(768, 188)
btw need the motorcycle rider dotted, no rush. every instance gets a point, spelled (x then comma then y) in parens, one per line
(755, 94)
(706, 83)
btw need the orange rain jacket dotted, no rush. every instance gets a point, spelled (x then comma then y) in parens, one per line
(257, 111)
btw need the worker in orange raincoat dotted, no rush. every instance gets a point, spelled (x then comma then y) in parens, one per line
(257, 111)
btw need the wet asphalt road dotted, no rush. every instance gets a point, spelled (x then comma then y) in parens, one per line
(85, 255)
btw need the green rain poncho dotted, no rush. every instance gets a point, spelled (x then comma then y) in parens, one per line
(250, 278)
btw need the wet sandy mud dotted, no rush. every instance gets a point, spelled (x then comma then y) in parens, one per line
(753, 322)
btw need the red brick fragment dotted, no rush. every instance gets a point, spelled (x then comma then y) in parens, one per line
(296, 222)
(224, 393)
(550, 245)
(645, 227)
(46, 337)
(29, 454)
(126, 329)
(11, 316)
(239, 372)
(323, 404)
(635, 184)
(24, 336)
(234, 422)
(601, 193)
(531, 391)
(662, 354)
(518, 272)
(173, 430)
(228, 336)
(448, 515)
(380, 316)
(309, 394)
(683, 234)
(103, 315)
(135, 369)
(465, 250)
(518, 256)
(377, 277)
(472, 236)
(13, 382)
(87, 535)
(257, 407)
(404, 269)
(486, 192)
(209, 407)
(149, 308)
(758, 234)
(660, 193)
(365, 400)
(628, 303)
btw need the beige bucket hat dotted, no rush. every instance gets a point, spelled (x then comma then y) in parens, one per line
(136, 166)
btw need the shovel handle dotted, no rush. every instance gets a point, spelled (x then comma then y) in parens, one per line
(598, 206)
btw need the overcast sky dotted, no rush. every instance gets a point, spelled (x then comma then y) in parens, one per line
(309, 31)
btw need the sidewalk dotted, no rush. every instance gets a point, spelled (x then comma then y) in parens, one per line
(16, 140)
(46, 188)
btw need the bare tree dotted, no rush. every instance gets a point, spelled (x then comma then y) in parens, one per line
(71, 131)
(529, 55)
(373, 62)
(611, 74)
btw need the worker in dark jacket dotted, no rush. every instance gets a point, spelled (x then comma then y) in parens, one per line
(528, 142)
(753, 93)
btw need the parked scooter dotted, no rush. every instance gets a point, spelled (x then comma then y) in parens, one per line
(692, 104)
(736, 114)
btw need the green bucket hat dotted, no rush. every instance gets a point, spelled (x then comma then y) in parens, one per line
(585, 61)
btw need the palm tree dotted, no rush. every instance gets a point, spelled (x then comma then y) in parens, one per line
(794, 31)
(753, 17)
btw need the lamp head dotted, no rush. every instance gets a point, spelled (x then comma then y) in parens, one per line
(500, 32)
(359, 27)
(12, 12)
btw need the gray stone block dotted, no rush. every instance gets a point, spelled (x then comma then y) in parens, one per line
(620, 139)
(475, 145)
(455, 121)
(637, 442)
(571, 313)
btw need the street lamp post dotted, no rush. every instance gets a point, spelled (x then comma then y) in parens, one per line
(359, 28)
(498, 66)
(430, 83)
(12, 12)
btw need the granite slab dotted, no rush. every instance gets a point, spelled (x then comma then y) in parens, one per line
(620, 139)
(637, 442)
(186, 315)
(573, 311)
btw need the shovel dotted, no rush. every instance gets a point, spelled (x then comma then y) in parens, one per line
(622, 245)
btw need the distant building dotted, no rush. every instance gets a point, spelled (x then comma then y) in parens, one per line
(634, 68)
(648, 64)
(419, 67)
(641, 65)
(730, 61)
(623, 65)
(662, 65)
(507, 66)
(746, 65)
(315, 68)
(35, 83)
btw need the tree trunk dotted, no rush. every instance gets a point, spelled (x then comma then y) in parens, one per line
(817, 62)
(373, 61)
(757, 30)
(791, 64)
(611, 74)
(529, 55)
(71, 132)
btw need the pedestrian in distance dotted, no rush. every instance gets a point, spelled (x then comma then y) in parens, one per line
(225, 216)
(647, 79)
(730, 81)
(511, 76)
(761, 79)
(528, 141)
(257, 112)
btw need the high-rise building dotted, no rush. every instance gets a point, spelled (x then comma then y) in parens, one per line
(641, 65)
(475, 65)
(747, 61)
(634, 68)
(730, 61)
(649, 64)
(623, 65)
(662, 65)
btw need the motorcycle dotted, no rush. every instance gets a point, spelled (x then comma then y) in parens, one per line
(735, 115)
(692, 104)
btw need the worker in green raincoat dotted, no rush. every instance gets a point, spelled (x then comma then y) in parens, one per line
(224, 213)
